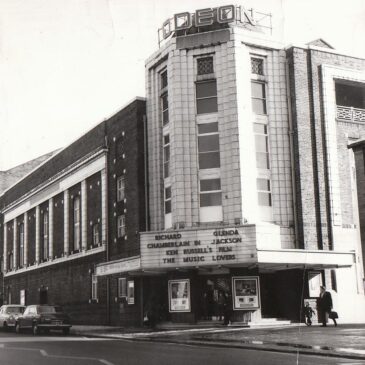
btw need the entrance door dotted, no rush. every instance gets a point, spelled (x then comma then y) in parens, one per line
(213, 295)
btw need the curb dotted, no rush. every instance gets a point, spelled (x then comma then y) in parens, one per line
(258, 347)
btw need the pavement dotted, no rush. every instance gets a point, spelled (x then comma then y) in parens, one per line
(343, 341)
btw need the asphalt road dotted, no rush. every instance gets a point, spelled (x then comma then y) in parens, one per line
(53, 349)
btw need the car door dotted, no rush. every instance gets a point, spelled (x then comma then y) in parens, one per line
(27, 319)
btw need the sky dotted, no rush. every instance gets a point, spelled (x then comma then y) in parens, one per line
(66, 65)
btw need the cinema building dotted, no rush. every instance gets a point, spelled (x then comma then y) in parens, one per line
(252, 188)
(237, 188)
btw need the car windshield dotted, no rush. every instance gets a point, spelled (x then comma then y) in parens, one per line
(15, 310)
(49, 309)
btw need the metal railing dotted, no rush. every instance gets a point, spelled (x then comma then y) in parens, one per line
(350, 114)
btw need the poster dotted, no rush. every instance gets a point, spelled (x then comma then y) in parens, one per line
(314, 283)
(246, 292)
(179, 295)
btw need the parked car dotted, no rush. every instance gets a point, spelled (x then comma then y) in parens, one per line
(43, 318)
(9, 314)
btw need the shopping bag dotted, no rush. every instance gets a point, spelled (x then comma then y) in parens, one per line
(333, 315)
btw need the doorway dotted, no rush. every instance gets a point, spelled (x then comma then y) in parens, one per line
(43, 296)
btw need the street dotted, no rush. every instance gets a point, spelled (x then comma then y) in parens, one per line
(56, 350)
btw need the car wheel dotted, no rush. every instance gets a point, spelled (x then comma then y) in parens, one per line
(35, 329)
(17, 327)
(66, 331)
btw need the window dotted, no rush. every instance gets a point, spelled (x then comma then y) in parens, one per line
(264, 192)
(120, 188)
(77, 225)
(205, 65)
(121, 226)
(163, 79)
(168, 200)
(21, 245)
(166, 156)
(333, 280)
(122, 287)
(96, 234)
(130, 292)
(258, 95)
(206, 97)
(94, 287)
(210, 193)
(45, 236)
(257, 66)
(208, 145)
(10, 261)
(22, 298)
(262, 146)
(165, 108)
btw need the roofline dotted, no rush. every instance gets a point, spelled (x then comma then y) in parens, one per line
(322, 49)
(136, 98)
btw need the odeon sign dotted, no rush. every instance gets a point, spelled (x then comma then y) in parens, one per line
(202, 18)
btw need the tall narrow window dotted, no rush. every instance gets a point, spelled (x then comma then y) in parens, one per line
(120, 188)
(121, 225)
(258, 95)
(166, 155)
(208, 145)
(122, 287)
(206, 97)
(96, 234)
(45, 236)
(10, 261)
(21, 244)
(94, 287)
(264, 192)
(76, 221)
(168, 200)
(210, 192)
(262, 146)
(164, 99)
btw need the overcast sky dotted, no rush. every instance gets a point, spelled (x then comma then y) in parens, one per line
(66, 65)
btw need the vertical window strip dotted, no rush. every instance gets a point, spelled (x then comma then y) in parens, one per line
(166, 155)
(121, 226)
(120, 188)
(264, 192)
(262, 146)
(76, 218)
(21, 245)
(45, 236)
(206, 97)
(210, 192)
(96, 234)
(208, 146)
(258, 97)
(168, 200)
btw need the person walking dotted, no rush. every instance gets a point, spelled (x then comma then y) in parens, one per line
(324, 304)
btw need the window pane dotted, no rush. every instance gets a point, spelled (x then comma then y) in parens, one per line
(208, 143)
(168, 193)
(260, 128)
(165, 117)
(211, 199)
(261, 143)
(206, 89)
(209, 160)
(207, 128)
(166, 139)
(165, 103)
(167, 206)
(257, 66)
(258, 90)
(211, 184)
(122, 287)
(163, 79)
(166, 169)
(207, 105)
(264, 199)
(259, 106)
(262, 160)
(205, 65)
(263, 184)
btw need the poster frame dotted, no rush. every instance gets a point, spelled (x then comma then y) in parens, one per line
(256, 279)
(188, 306)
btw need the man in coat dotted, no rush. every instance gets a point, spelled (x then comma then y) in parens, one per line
(324, 304)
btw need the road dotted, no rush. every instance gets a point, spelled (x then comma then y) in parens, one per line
(53, 349)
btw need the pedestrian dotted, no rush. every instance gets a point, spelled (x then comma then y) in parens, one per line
(221, 305)
(227, 309)
(324, 305)
(308, 313)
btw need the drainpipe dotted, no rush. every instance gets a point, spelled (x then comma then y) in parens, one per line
(291, 146)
